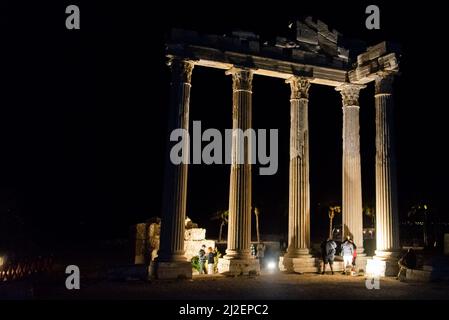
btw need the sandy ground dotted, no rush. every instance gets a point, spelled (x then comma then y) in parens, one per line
(266, 286)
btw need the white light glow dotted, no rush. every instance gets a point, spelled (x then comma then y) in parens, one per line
(271, 265)
(375, 268)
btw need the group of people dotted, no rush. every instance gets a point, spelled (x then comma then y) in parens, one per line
(258, 252)
(348, 251)
(328, 252)
(207, 260)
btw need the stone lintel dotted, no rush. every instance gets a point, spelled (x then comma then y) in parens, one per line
(276, 68)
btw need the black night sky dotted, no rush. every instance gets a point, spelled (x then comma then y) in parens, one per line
(83, 114)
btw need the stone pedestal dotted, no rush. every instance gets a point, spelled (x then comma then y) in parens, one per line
(195, 234)
(361, 262)
(238, 267)
(382, 265)
(313, 265)
(418, 275)
(170, 270)
(303, 264)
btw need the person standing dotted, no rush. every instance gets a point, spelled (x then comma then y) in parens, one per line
(202, 259)
(328, 249)
(253, 250)
(260, 253)
(210, 261)
(354, 258)
(347, 251)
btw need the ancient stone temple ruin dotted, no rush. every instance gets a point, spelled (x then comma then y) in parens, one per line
(146, 240)
(316, 55)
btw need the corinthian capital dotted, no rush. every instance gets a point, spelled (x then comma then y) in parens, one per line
(384, 83)
(241, 79)
(299, 87)
(350, 93)
(181, 70)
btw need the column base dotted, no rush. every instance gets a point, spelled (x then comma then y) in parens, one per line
(297, 253)
(390, 254)
(238, 267)
(299, 264)
(361, 262)
(238, 254)
(170, 270)
(383, 264)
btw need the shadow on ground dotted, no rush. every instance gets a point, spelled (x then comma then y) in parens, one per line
(267, 286)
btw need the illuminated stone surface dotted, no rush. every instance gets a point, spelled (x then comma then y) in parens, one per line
(314, 56)
(146, 239)
(387, 217)
(352, 209)
(195, 234)
(238, 267)
(192, 247)
(311, 265)
(238, 255)
(298, 258)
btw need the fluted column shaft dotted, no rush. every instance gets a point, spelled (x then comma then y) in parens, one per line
(352, 178)
(239, 224)
(175, 187)
(299, 188)
(387, 220)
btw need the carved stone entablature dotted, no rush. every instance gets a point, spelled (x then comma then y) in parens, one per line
(318, 51)
(181, 70)
(382, 58)
(299, 87)
(246, 49)
(241, 79)
(317, 34)
(350, 94)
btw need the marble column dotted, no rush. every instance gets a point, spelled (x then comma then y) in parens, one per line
(171, 261)
(238, 259)
(387, 219)
(352, 209)
(299, 196)
(297, 257)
